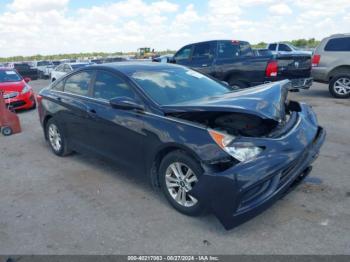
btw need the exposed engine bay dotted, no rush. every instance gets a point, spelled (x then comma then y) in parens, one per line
(243, 124)
(237, 124)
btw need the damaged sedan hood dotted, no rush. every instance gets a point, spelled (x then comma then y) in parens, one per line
(266, 101)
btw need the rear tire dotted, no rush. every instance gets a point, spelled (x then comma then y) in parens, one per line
(56, 139)
(236, 84)
(339, 86)
(175, 185)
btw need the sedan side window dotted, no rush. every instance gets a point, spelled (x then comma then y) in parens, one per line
(108, 86)
(79, 83)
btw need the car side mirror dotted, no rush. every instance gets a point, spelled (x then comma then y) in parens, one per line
(126, 103)
(27, 79)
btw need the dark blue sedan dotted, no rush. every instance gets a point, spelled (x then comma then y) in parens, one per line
(207, 147)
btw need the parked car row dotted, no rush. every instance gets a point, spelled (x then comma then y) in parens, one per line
(236, 63)
(66, 68)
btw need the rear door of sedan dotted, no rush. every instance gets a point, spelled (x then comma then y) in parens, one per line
(116, 133)
(73, 110)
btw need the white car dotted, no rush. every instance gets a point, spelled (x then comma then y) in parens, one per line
(66, 68)
(44, 68)
(285, 48)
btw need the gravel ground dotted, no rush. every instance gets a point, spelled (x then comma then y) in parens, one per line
(84, 205)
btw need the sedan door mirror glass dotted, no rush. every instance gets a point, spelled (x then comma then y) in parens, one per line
(126, 103)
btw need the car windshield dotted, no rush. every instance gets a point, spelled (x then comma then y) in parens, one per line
(9, 76)
(170, 86)
(78, 66)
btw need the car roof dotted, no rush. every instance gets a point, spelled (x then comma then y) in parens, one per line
(131, 67)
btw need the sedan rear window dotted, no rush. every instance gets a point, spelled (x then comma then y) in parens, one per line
(9, 76)
(171, 86)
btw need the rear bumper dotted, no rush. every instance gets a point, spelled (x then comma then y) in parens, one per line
(246, 189)
(296, 83)
(320, 74)
(302, 83)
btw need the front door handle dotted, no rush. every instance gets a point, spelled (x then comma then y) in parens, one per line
(92, 113)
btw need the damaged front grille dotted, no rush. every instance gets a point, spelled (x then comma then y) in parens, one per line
(285, 126)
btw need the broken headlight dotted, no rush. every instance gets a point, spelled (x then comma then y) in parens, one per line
(241, 151)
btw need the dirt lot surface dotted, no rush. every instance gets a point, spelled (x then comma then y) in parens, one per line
(83, 205)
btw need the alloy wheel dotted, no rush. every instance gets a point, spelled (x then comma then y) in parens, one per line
(55, 137)
(342, 86)
(180, 179)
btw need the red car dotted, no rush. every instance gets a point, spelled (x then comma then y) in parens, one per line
(17, 93)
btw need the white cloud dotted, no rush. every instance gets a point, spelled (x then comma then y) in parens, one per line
(37, 5)
(49, 27)
(280, 9)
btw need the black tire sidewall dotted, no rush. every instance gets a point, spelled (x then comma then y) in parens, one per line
(3, 131)
(183, 157)
(331, 86)
(63, 149)
(240, 84)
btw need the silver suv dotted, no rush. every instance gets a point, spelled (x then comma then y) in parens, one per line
(331, 64)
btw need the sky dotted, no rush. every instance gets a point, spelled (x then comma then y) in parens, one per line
(29, 27)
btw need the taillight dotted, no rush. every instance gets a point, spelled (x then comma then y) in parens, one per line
(316, 60)
(271, 69)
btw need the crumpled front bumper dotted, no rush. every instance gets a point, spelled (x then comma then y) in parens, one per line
(246, 189)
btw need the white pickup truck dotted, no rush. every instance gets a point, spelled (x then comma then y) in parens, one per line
(44, 68)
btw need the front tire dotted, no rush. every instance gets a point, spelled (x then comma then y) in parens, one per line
(178, 174)
(339, 86)
(56, 139)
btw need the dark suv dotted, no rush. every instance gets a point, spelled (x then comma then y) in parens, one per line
(331, 64)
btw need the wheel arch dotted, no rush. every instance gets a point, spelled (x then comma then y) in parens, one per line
(46, 119)
(160, 154)
(343, 69)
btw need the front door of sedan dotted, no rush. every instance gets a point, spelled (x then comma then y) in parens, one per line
(116, 133)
